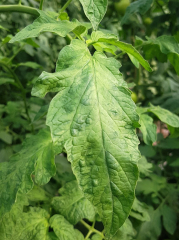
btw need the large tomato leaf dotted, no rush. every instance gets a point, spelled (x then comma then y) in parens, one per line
(93, 117)
(37, 155)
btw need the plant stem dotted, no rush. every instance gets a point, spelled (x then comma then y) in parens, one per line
(19, 8)
(65, 6)
(41, 4)
(20, 1)
(91, 229)
(15, 54)
(160, 6)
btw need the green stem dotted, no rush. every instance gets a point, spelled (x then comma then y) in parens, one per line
(19, 8)
(91, 229)
(41, 4)
(23, 92)
(65, 6)
(20, 1)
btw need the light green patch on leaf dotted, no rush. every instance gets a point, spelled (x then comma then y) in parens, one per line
(94, 10)
(36, 156)
(72, 204)
(139, 6)
(93, 117)
(97, 237)
(165, 116)
(148, 129)
(169, 219)
(139, 211)
(46, 23)
(63, 229)
(105, 47)
(18, 225)
(128, 48)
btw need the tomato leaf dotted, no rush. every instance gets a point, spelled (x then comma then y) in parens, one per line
(128, 48)
(63, 229)
(18, 225)
(139, 6)
(169, 219)
(93, 117)
(165, 115)
(94, 10)
(37, 156)
(72, 204)
(46, 23)
(148, 129)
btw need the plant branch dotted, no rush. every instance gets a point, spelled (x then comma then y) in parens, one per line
(65, 6)
(41, 4)
(19, 8)
(91, 229)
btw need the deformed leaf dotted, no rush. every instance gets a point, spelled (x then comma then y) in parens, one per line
(148, 129)
(169, 219)
(72, 204)
(46, 23)
(63, 229)
(94, 10)
(93, 117)
(18, 225)
(128, 48)
(37, 155)
(139, 6)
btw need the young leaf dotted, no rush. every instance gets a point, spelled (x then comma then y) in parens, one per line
(165, 116)
(95, 10)
(128, 48)
(148, 129)
(139, 6)
(63, 229)
(46, 23)
(169, 219)
(93, 117)
(18, 225)
(37, 156)
(72, 204)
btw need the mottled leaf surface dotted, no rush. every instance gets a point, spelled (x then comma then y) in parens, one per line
(72, 204)
(148, 129)
(36, 156)
(128, 48)
(63, 229)
(18, 225)
(94, 10)
(94, 118)
(139, 6)
(46, 23)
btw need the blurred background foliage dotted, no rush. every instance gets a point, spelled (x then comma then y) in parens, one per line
(21, 115)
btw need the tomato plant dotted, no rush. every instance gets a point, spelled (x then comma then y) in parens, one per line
(84, 111)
